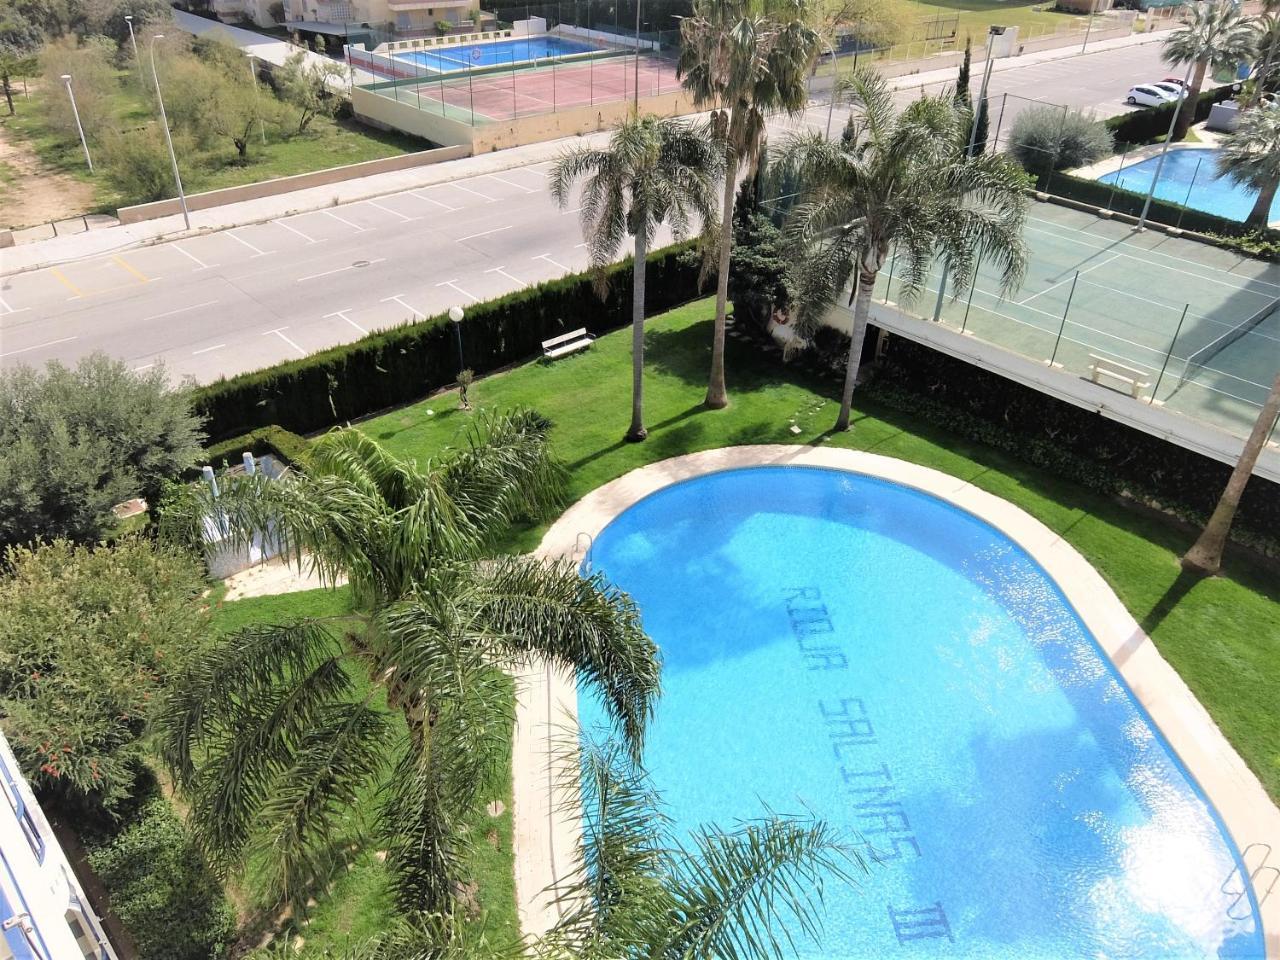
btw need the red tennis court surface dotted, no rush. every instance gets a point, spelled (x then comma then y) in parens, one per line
(522, 93)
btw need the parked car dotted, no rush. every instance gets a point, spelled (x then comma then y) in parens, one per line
(1175, 90)
(1176, 81)
(1148, 95)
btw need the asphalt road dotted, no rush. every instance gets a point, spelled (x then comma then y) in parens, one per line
(240, 299)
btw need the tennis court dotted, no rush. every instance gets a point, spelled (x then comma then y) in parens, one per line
(502, 53)
(1198, 326)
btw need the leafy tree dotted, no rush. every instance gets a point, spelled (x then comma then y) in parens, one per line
(983, 121)
(963, 97)
(88, 636)
(1205, 555)
(654, 171)
(1216, 34)
(905, 182)
(106, 17)
(92, 77)
(274, 733)
(137, 161)
(743, 60)
(75, 442)
(311, 87)
(20, 42)
(212, 98)
(1250, 155)
(1049, 138)
(759, 271)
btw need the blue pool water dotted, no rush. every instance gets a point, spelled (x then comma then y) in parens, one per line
(841, 644)
(469, 56)
(1197, 170)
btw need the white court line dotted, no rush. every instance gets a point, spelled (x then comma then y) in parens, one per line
(503, 271)
(256, 251)
(422, 196)
(1080, 273)
(454, 285)
(354, 226)
(403, 218)
(483, 233)
(475, 193)
(192, 256)
(196, 353)
(512, 183)
(327, 273)
(277, 332)
(554, 263)
(170, 313)
(343, 314)
(281, 223)
(38, 346)
(399, 298)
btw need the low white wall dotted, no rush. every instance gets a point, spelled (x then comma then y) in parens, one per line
(529, 28)
(603, 36)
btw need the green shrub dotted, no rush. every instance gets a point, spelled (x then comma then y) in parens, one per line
(274, 440)
(1152, 123)
(1046, 138)
(407, 362)
(162, 890)
(137, 161)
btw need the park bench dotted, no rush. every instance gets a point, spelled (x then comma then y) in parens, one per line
(1133, 378)
(566, 343)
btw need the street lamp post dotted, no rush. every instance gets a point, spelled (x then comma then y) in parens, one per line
(982, 95)
(1168, 137)
(835, 83)
(133, 40)
(66, 78)
(635, 93)
(164, 122)
(1088, 27)
(253, 78)
(456, 314)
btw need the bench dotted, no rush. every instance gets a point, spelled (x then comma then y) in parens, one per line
(1133, 377)
(566, 343)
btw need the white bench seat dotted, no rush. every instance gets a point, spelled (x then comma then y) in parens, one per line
(1133, 378)
(566, 343)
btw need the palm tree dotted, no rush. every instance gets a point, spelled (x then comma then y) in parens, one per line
(654, 171)
(1268, 48)
(398, 708)
(1205, 555)
(1216, 34)
(1250, 155)
(743, 60)
(901, 180)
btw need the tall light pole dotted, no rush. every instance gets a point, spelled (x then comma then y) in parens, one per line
(253, 78)
(835, 83)
(66, 78)
(164, 122)
(1088, 27)
(635, 93)
(1182, 102)
(133, 40)
(456, 315)
(982, 96)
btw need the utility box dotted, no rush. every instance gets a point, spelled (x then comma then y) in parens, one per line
(1223, 116)
(1003, 41)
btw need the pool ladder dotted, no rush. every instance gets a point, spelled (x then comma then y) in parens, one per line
(582, 550)
(1254, 878)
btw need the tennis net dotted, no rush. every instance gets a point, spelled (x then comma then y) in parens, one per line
(1197, 361)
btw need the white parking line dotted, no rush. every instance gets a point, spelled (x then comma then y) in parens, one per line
(511, 183)
(256, 251)
(454, 285)
(196, 353)
(193, 257)
(277, 332)
(327, 273)
(399, 298)
(145, 366)
(403, 218)
(170, 313)
(554, 263)
(38, 346)
(8, 309)
(483, 233)
(281, 223)
(343, 314)
(422, 196)
(502, 270)
(574, 210)
(475, 193)
(355, 226)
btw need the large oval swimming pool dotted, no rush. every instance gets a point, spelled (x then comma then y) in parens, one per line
(845, 645)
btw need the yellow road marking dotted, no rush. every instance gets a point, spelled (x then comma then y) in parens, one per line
(142, 278)
(62, 278)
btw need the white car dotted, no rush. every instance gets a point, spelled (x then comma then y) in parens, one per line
(1149, 95)
(1176, 91)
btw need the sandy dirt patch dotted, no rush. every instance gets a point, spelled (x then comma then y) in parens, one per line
(31, 192)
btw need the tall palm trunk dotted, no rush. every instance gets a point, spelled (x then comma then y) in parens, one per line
(1260, 215)
(717, 395)
(1205, 557)
(857, 336)
(636, 432)
(1187, 110)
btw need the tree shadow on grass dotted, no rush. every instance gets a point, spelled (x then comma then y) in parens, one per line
(1169, 600)
(655, 438)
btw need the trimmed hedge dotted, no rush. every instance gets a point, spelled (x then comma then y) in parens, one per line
(396, 366)
(280, 443)
(1151, 123)
(1071, 442)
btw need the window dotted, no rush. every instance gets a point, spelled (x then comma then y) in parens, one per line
(82, 930)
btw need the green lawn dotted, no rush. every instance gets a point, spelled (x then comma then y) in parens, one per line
(1222, 635)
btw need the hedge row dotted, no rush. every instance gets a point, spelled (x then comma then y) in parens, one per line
(1152, 123)
(396, 366)
(1071, 442)
(278, 442)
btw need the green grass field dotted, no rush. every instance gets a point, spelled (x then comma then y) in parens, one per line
(1222, 635)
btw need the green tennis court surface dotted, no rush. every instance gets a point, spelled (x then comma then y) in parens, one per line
(1199, 326)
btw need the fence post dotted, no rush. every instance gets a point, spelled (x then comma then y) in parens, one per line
(1000, 121)
(973, 286)
(1191, 186)
(1169, 353)
(1114, 183)
(942, 290)
(1053, 358)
